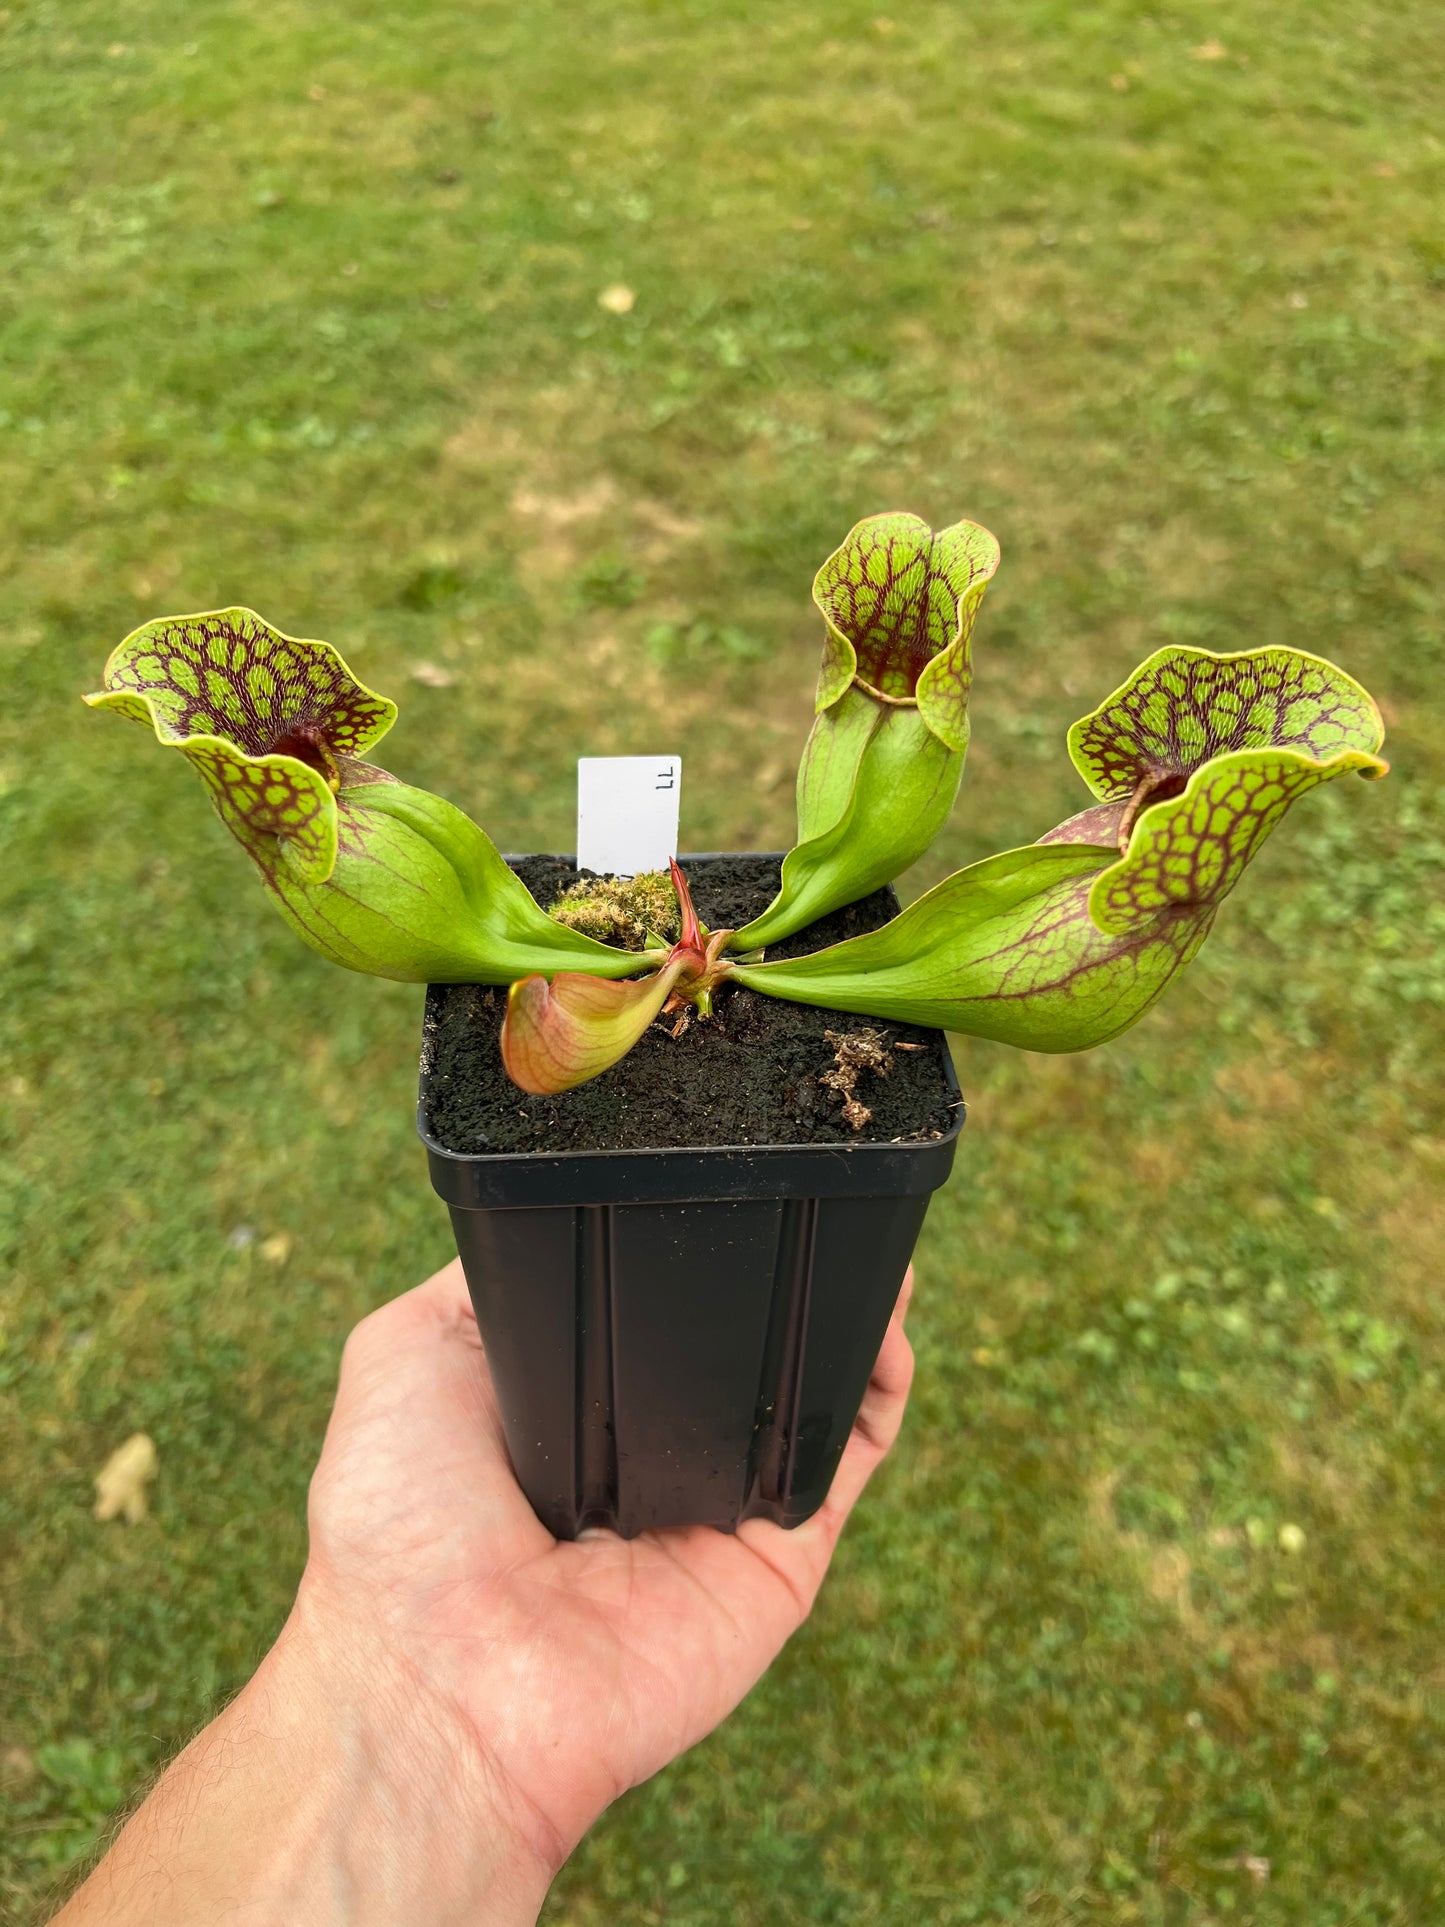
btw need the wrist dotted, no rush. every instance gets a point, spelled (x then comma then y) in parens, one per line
(397, 1810)
(332, 1790)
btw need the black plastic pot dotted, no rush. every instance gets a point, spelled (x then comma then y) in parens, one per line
(683, 1337)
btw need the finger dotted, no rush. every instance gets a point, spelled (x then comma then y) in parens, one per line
(415, 1391)
(414, 1347)
(421, 1350)
(905, 1297)
(802, 1555)
(442, 1302)
(881, 1413)
(878, 1422)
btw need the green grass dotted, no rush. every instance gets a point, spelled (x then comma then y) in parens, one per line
(300, 309)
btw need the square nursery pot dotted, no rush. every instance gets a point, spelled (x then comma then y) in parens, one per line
(683, 1336)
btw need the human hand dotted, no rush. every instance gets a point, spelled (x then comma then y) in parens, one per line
(457, 1695)
(576, 1668)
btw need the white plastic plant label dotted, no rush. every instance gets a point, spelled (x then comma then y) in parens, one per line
(627, 813)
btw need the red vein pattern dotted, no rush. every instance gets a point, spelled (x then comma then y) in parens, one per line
(277, 811)
(1185, 706)
(1084, 984)
(1193, 849)
(229, 674)
(896, 596)
(270, 723)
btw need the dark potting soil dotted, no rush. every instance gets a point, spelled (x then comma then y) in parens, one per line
(749, 1074)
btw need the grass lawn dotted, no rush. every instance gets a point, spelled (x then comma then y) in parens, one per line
(299, 307)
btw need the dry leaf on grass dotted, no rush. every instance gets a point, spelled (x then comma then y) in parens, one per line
(1209, 50)
(121, 1482)
(432, 676)
(617, 299)
(278, 1249)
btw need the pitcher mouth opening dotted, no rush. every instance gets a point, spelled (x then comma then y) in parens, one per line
(882, 695)
(1156, 786)
(308, 746)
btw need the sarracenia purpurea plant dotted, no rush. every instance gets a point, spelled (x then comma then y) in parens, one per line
(1056, 946)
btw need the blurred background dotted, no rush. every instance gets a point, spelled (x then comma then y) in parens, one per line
(536, 356)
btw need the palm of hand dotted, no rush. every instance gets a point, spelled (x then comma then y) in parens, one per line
(570, 1671)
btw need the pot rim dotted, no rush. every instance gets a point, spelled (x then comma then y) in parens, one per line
(490, 1180)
